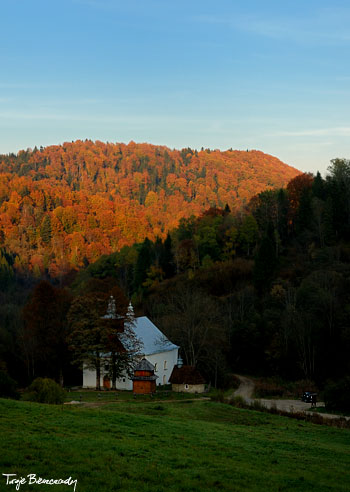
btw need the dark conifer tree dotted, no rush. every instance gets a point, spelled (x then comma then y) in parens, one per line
(45, 230)
(167, 262)
(265, 261)
(144, 261)
(318, 187)
(304, 213)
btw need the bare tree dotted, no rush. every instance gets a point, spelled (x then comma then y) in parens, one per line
(191, 319)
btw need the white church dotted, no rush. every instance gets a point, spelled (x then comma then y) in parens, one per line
(156, 348)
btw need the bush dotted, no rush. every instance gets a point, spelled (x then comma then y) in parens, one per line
(44, 390)
(337, 395)
(238, 401)
(218, 395)
(265, 389)
(8, 386)
(229, 381)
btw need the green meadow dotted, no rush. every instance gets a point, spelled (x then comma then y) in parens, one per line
(139, 446)
(87, 396)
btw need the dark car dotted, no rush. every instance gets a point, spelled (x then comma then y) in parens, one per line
(309, 397)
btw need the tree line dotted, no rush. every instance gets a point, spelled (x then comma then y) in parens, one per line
(263, 291)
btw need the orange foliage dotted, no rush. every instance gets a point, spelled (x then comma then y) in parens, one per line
(100, 197)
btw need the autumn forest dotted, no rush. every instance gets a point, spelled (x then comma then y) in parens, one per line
(242, 261)
(62, 207)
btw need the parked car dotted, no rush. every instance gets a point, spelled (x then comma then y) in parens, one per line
(309, 397)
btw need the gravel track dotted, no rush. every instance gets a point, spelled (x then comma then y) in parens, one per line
(246, 391)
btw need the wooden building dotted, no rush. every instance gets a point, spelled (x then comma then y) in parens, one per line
(187, 379)
(144, 379)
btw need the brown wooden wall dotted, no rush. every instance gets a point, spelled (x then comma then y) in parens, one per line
(144, 387)
(143, 373)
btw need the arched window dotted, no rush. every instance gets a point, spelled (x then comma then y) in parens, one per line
(155, 367)
(164, 379)
(165, 364)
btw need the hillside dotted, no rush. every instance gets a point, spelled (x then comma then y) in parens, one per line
(63, 206)
(152, 447)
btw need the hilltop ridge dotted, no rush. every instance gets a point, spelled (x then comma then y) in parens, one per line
(64, 205)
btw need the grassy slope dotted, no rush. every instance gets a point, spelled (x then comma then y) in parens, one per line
(112, 396)
(200, 446)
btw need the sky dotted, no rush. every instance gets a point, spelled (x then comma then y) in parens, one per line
(266, 75)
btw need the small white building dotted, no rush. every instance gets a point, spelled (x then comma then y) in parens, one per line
(156, 348)
(187, 379)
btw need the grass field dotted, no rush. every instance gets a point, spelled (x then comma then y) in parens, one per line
(152, 446)
(112, 396)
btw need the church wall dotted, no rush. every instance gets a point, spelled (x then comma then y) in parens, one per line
(89, 378)
(124, 383)
(170, 358)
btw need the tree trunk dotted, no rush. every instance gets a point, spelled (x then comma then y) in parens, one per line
(114, 372)
(61, 377)
(216, 374)
(98, 376)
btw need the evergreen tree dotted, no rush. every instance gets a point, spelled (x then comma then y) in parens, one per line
(304, 213)
(44, 335)
(88, 334)
(318, 186)
(248, 233)
(143, 263)
(282, 214)
(265, 261)
(328, 221)
(6, 270)
(45, 230)
(166, 261)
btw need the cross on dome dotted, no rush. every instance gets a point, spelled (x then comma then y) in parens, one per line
(130, 312)
(111, 309)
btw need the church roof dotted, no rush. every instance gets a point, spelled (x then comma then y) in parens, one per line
(154, 341)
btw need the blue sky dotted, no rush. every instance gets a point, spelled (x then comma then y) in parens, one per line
(272, 75)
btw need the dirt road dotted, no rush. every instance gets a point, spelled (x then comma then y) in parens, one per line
(246, 390)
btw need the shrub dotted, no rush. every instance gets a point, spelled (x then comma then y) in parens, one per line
(257, 405)
(238, 401)
(44, 390)
(230, 381)
(265, 389)
(218, 395)
(8, 386)
(337, 395)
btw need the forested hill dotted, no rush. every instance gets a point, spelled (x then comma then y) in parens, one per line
(63, 206)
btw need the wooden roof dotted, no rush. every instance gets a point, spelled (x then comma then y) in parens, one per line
(186, 375)
(144, 365)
